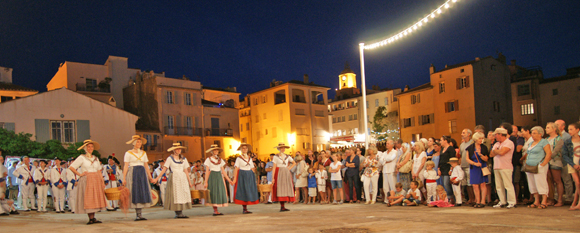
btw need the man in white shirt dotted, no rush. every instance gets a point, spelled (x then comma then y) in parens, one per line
(389, 162)
(24, 173)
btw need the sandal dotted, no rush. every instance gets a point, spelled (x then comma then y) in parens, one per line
(533, 206)
(388, 204)
(542, 206)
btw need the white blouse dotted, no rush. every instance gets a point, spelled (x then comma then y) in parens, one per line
(177, 165)
(136, 159)
(86, 164)
(243, 165)
(282, 162)
(213, 167)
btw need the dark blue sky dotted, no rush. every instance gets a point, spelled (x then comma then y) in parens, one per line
(247, 44)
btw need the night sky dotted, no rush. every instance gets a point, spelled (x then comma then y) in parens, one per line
(247, 44)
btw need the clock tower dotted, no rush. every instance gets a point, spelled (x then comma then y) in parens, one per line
(347, 78)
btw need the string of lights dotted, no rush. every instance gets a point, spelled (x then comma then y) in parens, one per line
(416, 26)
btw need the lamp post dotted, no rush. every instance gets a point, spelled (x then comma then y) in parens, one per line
(364, 93)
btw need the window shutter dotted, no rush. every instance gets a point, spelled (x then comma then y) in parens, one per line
(456, 105)
(83, 130)
(165, 121)
(165, 97)
(418, 98)
(177, 122)
(458, 83)
(420, 122)
(42, 130)
(197, 122)
(10, 126)
(446, 106)
(412, 121)
(176, 97)
(467, 81)
(432, 118)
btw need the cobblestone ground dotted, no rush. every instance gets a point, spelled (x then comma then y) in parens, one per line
(308, 218)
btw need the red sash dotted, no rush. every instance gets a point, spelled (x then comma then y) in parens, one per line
(112, 177)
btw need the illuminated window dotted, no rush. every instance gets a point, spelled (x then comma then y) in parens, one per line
(527, 109)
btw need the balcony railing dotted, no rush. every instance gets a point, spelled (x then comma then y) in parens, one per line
(218, 132)
(83, 87)
(185, 131)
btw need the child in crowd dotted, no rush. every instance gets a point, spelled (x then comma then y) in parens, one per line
(431, 178)
(321, 176)
(413, 195)
(311, 185)
(442, 198)
(456, 176)
(336, 179)
(6, 206)
(396, 197)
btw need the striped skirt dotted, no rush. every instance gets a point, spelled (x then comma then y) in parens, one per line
(282, 188)
(139, 187)
(246, 190)
(218, 196)
(170, 194)
(90, 194)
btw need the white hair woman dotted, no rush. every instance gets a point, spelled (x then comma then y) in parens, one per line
(245, 188)
(405, 176)
(419, 160)
(539, 154)
(177, 195)
(90, 186)
(136, 174)
(477, 156)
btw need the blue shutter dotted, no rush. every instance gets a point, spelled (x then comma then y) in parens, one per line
(42, 128)
(9, 126)
(83, 130)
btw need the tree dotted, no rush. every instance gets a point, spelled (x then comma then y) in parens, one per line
(385, 125)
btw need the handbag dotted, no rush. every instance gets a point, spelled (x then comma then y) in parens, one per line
(484, 170)
(407, 167)
(528, 168)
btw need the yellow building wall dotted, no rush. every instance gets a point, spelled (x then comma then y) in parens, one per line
(59, 79)
(408, 110)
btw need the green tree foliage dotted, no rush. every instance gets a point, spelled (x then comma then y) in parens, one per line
(384, 125)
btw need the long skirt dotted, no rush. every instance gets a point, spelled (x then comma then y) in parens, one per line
(90, 194)
(218, 195)
(139, 187)
(282, 188)
(246, 190)
(171, 192)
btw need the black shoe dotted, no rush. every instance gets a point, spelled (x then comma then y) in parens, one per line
(246, 212)
(284, 210)
(14, 212)
(96, 221)
(218, 214)
(140, 219)
(268, 203)
(34, 209)
(457, 205)
(111, 209)
(26, 210)
(4, 214)
(181, 216)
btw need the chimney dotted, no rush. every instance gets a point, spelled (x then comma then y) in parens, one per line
(477, 59)
(431, 69)
(306, 81)
(406, 88)
(513, 62)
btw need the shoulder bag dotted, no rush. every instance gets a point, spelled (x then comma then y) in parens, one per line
(528, 168)
(484, 170)
(408, 166)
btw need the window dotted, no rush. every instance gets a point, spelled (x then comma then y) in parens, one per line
(462, 82)
(350, 117)
(255, 101)
(386, 100)
(170, 122)
(241, 127)
(453, 126)
(266, 132)
(496, 106)
(557, 110)
(169, 97)
(248, 126)
(274, 132)
(355, 116)
(188, 122)
(300, 112)
(333, 120)
(554, 91)
(523, 89)
(442, 87)
(264, 116)
(493, 67)
(64, 131)
(452, 106)
(343, 118)
(408, 122)
(257, 118)
(527, 109)
(413, 99)
(91, 84)
(187, 98)
(319, 113)
(426, 119)
(461, 71)
(416, 137)
(376, 103)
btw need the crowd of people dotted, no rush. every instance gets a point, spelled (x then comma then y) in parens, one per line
(536, 167)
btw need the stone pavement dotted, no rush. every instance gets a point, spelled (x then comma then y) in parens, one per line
(308, 218)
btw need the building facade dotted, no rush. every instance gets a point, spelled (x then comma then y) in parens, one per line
(10, 91)
(561, 97)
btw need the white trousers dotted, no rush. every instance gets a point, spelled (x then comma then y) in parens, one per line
(231, 193)
(457, 193)
(431, 192)
(503, 183)
(538, 183)
(112, 184)
(270, 196)
(42, 192)
(27, 191)
(58, 196)
(162, 188)
(371, 184)
(72, 199)
(389, 181)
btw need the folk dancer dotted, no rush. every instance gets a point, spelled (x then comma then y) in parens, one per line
(282, 188)
(59, 185)
(136, 175)
(214, 180)
(162, 181)
(178, 195)
(72, 179)
(113, 178)
(245, 190)
(27, 185)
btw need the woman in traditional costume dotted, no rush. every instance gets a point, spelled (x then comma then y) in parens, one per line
(282, 188)
(245, 187)
(177, 195)
(214, 180)
(137, 175)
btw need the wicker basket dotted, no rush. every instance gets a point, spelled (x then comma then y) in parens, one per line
(113, 194)
(264, 188)
(195, 194)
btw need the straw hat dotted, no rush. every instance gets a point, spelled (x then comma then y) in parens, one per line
(453, 160)
(281, 145)
(500, 131)
(89, 141)
(212, 148)
(245, 144)
(176, 145)
(137, 137)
